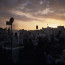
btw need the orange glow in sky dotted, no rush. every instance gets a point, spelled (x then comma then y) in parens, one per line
(40, 21)
(32, 25)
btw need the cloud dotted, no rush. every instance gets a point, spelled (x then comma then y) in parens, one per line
(32, 10)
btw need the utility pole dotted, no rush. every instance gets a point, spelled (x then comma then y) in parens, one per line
(10, 22)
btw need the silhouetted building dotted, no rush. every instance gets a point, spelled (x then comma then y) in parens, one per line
(16, 34)
(36, 26)
(60, 27)
(9, 30)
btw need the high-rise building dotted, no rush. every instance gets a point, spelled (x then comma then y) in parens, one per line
(36, 26)
(60, 27)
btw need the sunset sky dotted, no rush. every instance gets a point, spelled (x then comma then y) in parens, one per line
(29, 13)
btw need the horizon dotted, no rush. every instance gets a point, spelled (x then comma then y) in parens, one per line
(33, 29)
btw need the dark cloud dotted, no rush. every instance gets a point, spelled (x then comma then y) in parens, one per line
(57, 4)
(51, 16)
(11, 3)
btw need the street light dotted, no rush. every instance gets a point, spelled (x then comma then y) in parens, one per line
(10, 22)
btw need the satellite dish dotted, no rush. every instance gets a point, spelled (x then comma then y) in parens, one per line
(11, 20)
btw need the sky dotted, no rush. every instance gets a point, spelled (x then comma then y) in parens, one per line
(29, 13)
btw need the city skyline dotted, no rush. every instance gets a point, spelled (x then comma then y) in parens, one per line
(29, 13)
